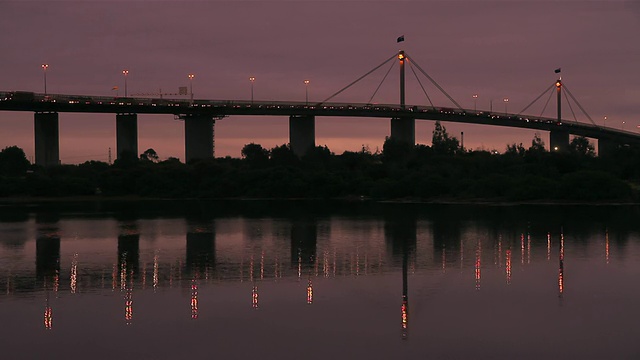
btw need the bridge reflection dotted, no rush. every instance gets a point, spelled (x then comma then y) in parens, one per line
(194, 254)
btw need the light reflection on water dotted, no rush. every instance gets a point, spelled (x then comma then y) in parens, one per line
(376, 282)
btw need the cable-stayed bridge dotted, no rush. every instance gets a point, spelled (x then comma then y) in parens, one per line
(199, 116)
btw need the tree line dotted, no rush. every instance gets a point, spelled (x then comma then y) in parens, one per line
(443, 171)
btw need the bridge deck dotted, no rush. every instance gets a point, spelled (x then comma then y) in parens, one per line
(26, 101)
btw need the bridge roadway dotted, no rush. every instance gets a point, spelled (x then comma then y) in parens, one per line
(302, 132)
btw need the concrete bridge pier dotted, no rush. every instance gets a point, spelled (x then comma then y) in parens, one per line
(302, 133)
(198, 136)
(404, 130)
(606, 147)
(559, 141)
(47, 139)
(126, 135)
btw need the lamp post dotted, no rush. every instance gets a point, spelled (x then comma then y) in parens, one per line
(44, 71)
(306, 91)
(125, 72)
(624, 122)
(506, 101)
(475, 101)
(605, 122)
(191, 76)
(252, 80)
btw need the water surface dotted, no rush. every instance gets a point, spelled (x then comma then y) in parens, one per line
(315, 280)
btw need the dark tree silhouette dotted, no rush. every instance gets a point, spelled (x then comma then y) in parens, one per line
(149, 155)
(513, 149)
(395, 151)
(580, 145)
(255, 153)
(13, 161)
(442, 143)
(283, 155)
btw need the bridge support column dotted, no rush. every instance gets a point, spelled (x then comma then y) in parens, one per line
(404, 130)
(559, 141)
(47, 139)
(302, 134)
(198, 137)
(126, 135)
(606, 147)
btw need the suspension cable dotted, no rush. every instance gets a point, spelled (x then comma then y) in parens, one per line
(580, 106)
(534, 101)
(360, 78)
(419, 82)
(570, 107)
(379, 85)
(434, 82)
(547, 103)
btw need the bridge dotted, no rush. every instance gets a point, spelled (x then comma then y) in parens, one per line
(200, 116)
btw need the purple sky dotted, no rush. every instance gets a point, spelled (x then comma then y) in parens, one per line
(496, 49)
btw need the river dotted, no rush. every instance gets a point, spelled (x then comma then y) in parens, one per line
(318, 280)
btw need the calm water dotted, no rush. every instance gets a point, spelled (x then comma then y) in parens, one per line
(308, 280)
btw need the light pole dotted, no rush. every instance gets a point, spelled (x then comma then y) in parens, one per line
(623, 125)
(44, 71)
(125, 73)
(191, 76)
(252, 79)
(475, 101)
(506, 101)
(306, 91)
(605, 122)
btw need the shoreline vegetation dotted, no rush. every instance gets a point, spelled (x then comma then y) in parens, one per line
(441, 173)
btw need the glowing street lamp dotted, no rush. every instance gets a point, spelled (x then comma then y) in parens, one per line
(624, 122)
(506, 101)
(306, 91)
(475, 101)
(191, 76)
(125, 73)
(252, 80)
(44, 70)
(605, 121)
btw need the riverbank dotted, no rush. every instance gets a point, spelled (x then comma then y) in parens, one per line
(446, 201)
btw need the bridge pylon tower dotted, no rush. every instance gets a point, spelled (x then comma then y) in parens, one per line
(403, 129)
(559, 138)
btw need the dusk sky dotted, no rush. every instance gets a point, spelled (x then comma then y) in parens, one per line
(495, 49)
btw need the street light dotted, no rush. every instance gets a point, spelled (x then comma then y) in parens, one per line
(306, 91)
(506, 101)
(623, 125)
(191, 76)
(252, 79)
(44, 70)
(605, 122)
(125, 73)
(475, 101)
